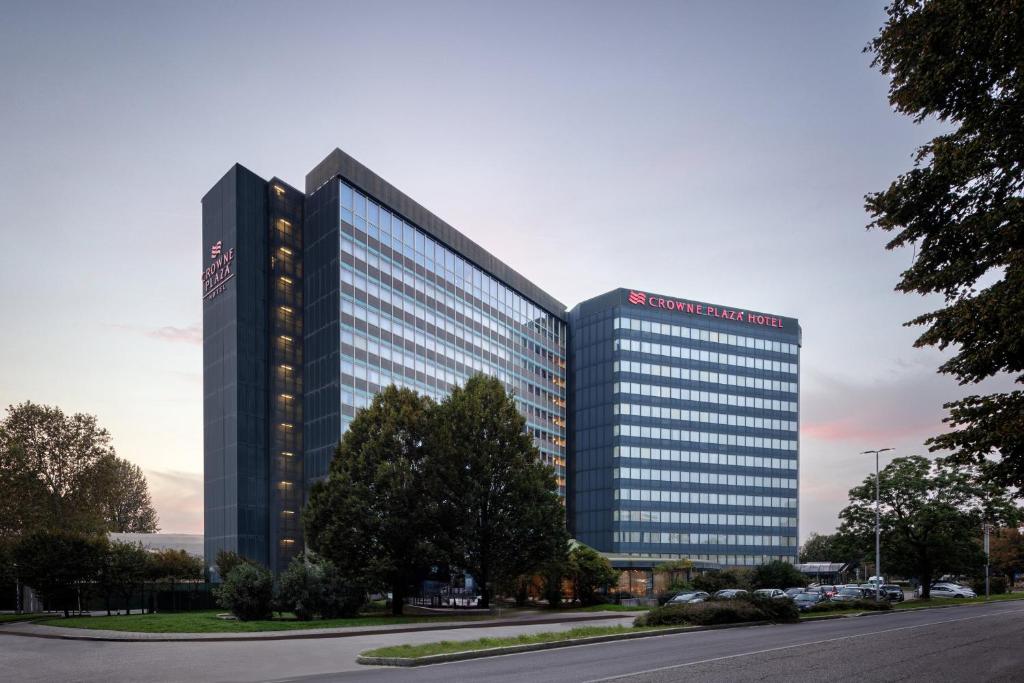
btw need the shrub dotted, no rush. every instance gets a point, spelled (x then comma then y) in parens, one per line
(301, 589)
(247, 591)
(721, 612)
(341, 598)
(228, 560)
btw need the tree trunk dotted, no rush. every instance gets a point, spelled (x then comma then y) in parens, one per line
(397, 600)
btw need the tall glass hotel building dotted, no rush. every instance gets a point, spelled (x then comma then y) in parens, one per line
(671, 433)
(684, 430)
(313, 302)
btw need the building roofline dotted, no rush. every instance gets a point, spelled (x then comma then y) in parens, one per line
(339, 164)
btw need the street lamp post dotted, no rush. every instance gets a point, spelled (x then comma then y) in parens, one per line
(878, 532)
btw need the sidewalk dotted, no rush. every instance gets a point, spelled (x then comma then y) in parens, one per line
(523, 619)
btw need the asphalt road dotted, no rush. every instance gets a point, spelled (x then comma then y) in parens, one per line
(969, 643)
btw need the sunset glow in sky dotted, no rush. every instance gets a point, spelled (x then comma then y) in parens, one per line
(712, 151)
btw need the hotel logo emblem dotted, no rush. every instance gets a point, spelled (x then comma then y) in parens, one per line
(637, 298)
(215, 250)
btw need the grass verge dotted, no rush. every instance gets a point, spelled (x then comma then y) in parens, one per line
(934, 602)
(9, 618)
(445, 647)
(207, 622)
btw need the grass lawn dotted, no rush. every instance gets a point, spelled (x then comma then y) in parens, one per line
(450, 646)
(610, 608)
(207, 622)
(8, 618)
(921, 604)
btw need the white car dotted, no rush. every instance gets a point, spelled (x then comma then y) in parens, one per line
(948, 590)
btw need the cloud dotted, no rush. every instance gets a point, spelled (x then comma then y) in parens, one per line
(178, 499)
(193, 334)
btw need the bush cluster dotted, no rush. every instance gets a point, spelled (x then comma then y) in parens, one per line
(308, 588)
(996, 585)
(714, 612)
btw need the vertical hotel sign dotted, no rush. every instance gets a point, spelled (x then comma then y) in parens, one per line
(220, 270)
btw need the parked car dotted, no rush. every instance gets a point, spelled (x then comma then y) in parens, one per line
(848, 594)
(871, 590)
(688, 598)
(730, 593)
(893, 592)
(827, 590)
(920, 589)
(772, 593)
(952, 591)
(808, 599)
(793, 592)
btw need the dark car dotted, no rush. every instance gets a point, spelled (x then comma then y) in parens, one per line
(688, 598)
(792, 592)
(848, 594)
(808, 599)
(730, 594)
(893, 593)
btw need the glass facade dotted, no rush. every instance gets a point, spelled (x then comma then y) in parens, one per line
(415, 313)
(686, 431)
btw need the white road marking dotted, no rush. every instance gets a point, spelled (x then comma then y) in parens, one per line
(789, 647)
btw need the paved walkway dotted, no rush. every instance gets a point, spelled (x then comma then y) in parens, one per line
(39, 659)
(539, 621)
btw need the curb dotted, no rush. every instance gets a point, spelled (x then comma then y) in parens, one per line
(515, 649)
(133, 636)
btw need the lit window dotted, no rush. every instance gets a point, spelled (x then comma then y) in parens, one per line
(285, 250)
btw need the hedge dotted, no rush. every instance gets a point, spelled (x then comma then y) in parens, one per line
(713, 612)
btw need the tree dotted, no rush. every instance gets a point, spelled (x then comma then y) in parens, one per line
(123, 570)
(1006, 552)
(819, 548)
(228, 560)
(172, 566)
(931, 516)
(373, 516)
(59, 566)
(590, 571)
(499, 505)
(962, 207)
(122, 495)
(733, 577)
(777, 574)
(60, 471)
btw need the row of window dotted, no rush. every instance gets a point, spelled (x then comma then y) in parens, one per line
(703, 376)
(681, 394)
(508, 347)
(685, 353)
(504, 348)
(390, 231)
(673, 538)
(670, 455)
(665, 434)
(728, 419)
(710, 478)
(673, 517)
(549, 425)
(446, 377)
(695, 498)
(653, 327)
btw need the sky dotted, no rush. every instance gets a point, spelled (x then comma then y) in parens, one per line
(713, 151)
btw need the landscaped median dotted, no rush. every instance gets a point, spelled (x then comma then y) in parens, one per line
(450, 651)
(658, 621)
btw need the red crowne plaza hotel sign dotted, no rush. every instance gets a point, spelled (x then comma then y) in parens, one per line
(652, 301)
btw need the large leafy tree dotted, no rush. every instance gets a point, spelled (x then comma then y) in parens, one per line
(819, 548)
(962, 207)
(373, 516)
(1006, 552)
(777, 574)
(931, 516)
(60, 471)
(499, 504)
(59, 566)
